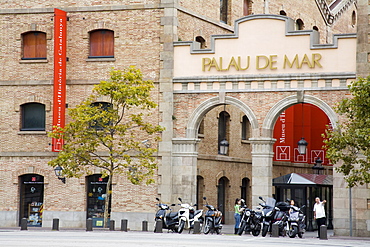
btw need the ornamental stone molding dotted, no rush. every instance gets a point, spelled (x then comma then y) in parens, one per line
(198, 114)
(300, 97)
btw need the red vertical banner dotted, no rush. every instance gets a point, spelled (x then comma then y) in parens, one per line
(301, 120)
(60, 60)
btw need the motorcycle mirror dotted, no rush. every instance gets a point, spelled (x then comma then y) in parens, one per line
(157, 198)
(260, 197)
(204, 198)
(195, 205)
(179, 199)
(173, 204)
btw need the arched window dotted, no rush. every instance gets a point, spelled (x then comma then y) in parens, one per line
(300, 24)
(34, 45)
(201, 129)
(245, 128)
(202, 42)
(282, 12)
(223, 127)
(244, 189)
(223, 10)
(33, 117)
(353, 18)
(101, 43)
(246, 7)
(100, 122)
(315, 28)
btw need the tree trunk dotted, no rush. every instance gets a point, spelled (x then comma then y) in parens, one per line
(107, 200)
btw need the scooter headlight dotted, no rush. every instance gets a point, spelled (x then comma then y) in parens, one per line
(247, 213)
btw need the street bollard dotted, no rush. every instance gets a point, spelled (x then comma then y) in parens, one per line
(55, 225)
(111, 225)
(196, 229)
(275, 230)
(23, 224)
(145, 226)
(89, 225)
(158, 226)
(124, 225)
(323, 232)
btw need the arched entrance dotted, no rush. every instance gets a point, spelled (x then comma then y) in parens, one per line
(222, 194)
(31, 199)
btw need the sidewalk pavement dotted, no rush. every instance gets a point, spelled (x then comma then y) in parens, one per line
(226, 230)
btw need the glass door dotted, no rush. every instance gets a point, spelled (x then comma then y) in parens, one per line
(31, 199)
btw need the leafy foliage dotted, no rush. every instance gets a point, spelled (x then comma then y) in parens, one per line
(109, 134)
(350, 142)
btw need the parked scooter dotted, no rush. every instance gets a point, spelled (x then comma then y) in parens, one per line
(273, 214)
(212, 219)
(295, 224)
(169, 219)
(250, 222)
(187, 216)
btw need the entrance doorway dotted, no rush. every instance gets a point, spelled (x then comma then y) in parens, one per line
(96, 195)
(31, 199)
(221, 196)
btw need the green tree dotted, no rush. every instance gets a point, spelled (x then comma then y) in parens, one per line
(112, 135)
(349, 143)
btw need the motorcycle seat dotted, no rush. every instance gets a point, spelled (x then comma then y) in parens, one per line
(197, 211)
(172, 214)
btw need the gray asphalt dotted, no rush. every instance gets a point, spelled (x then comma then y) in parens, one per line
(104, 238)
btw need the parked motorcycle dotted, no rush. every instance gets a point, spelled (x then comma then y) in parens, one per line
(250, 222)
(212, 219)
(273, 213)
(295, 225)
(169, 219)
(187, 216)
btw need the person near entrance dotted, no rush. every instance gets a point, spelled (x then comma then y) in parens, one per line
(319, 213)
(239, 203)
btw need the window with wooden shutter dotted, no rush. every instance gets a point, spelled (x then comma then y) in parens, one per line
(34, 45)
(101, 43)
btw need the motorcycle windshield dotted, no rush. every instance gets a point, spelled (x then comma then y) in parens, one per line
(270, 202)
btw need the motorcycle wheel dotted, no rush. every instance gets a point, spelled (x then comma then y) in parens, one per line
(265, 228)
(256, 231)
(300, 234)
(218, 231)
(293, 232)
(207, 227)
(242, 227)
(181, 226)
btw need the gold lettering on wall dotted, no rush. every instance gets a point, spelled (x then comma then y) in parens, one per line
(262, 62)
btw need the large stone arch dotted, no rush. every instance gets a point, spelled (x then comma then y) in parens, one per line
(198, 114)
(278, 108)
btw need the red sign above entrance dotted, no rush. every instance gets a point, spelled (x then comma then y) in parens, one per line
(301, 120)
(60, 59)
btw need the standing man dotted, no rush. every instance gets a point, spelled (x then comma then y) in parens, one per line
(319, 213)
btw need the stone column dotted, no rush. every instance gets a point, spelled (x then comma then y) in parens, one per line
(262, 156)
(184, 169)
(168, 36)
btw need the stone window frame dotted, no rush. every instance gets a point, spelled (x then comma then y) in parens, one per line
(86, 36)
(33, 99)
(34, 27)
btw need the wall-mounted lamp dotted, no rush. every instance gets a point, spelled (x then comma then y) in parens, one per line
(318, 166)
(224, 147)
(59, 173)
(302, 146)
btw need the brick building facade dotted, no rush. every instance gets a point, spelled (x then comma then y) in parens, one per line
(144, 36)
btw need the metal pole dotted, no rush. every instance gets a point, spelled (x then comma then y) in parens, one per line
(350, 211)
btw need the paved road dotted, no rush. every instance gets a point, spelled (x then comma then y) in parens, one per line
(80, 238)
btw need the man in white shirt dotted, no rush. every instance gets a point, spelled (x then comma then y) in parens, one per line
(319, 213)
